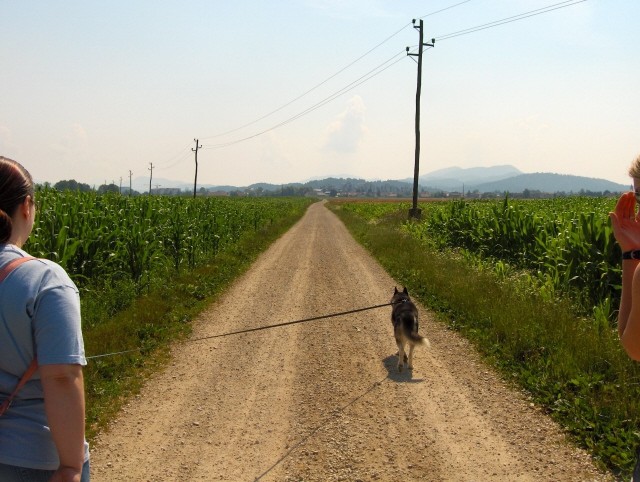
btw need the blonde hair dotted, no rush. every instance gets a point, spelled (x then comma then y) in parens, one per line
(634, 170)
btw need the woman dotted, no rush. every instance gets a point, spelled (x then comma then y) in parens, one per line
(42, 433)
(626, 229)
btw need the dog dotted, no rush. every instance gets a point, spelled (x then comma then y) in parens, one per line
(404, 316)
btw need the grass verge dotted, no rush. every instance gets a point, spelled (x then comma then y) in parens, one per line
(151, 323)
(571, 365)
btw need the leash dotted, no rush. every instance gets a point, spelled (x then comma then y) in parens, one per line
(248, 330)
(260, 328)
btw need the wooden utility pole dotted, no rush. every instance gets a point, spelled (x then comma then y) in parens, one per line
(150, 177)
(415, 212)
(120, 189)
(195, 181)
(130, 189)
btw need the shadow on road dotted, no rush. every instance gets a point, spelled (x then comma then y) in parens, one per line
(405, 376)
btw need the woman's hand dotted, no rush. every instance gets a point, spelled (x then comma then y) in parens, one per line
(626, 223)
(66, 474)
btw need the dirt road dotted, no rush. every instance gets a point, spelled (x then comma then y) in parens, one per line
(323, 401)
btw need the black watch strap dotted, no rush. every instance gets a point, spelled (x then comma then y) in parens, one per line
(634, 254)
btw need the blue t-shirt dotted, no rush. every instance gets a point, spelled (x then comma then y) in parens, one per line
(39, 315)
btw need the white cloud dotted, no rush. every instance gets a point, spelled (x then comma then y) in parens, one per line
(346, 132)
(73, 144)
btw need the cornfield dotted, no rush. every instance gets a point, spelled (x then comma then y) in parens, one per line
(111, 240)
(567, 244)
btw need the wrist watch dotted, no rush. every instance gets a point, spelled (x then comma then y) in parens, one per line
(633, 254)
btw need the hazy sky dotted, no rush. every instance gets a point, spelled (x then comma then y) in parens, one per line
(287, 90)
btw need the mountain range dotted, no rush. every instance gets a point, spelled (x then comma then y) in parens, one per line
(510, 179)
(505, 178)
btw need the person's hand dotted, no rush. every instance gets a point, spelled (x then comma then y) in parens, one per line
(66, 474)
(626, 223)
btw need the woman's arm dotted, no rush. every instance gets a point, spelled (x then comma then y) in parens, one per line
(63, 387)
(629, 267)
(629, 324)
(626, 229)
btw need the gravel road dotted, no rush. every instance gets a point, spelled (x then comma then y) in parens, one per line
(322, 400)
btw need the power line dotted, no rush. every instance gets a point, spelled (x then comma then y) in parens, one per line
(442, 10)
(514, 18)
(368, 76)
(311, 89)
(182, 159)
(330, 77)
(183, 153)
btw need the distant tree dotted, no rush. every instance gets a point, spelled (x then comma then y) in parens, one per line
(71, 185)
(105, 188)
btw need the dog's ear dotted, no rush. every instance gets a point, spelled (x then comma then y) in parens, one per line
(395, 290)
(405, 291)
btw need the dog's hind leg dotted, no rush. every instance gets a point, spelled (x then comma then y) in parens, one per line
(410, 364)
(402, 356)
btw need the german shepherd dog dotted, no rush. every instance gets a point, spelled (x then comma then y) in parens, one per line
(404, 316)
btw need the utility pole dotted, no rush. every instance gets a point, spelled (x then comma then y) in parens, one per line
(414, 212)
(195, 181)
(150, 177)
(120, 190)
(130, 189)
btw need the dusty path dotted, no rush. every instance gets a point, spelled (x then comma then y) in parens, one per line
(322, 401)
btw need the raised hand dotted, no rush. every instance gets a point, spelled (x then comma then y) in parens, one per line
(626, 223)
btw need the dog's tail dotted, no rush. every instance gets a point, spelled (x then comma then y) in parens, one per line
(419, 339)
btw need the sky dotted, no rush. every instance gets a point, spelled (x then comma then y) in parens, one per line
(291, 90)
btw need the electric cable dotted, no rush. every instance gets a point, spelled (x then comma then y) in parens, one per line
(328, 78)
(364, 78)
(511, 19)
(442, 10)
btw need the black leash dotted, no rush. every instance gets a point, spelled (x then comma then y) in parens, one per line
(249, 330)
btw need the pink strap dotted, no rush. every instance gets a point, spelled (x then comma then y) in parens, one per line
(27, 375)
(6, 269)
(11, 265)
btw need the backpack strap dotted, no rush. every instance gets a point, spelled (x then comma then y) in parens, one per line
(33, 366)
(25, 378)
(11, 265)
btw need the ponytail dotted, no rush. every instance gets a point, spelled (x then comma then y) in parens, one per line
(15, 185)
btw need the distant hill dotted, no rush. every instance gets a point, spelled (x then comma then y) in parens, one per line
(511, 179)
(551, 183)
(452, 178)
(499, 179)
